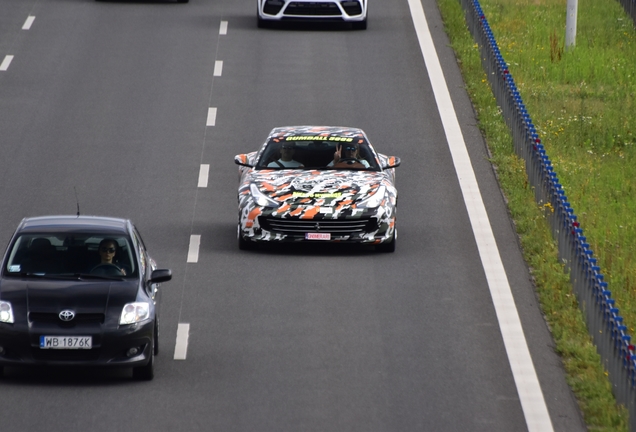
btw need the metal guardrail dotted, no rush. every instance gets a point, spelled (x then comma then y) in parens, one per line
(630, 8)
(605, 325)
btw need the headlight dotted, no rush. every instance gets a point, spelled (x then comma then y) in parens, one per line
(261, 199)
(374, 200)
(134, 313)
(6, 312)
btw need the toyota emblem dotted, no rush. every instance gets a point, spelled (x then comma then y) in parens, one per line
(67, 315)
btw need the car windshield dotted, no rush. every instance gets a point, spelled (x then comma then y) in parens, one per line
(71, 255)
(312, 152)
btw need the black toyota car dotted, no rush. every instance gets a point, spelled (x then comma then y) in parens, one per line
(79, 290)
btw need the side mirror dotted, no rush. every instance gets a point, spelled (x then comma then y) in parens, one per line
(241, 159)
(161, 275)
(392, 162)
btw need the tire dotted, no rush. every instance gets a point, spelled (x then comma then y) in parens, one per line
(242, 243)
(147, 372)
(388, 247)
(156, 342)
(261, 23)
(359, 25)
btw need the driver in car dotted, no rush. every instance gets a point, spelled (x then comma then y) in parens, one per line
(107, 250)
(347, 155)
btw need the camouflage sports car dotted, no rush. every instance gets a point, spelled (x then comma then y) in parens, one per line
(317, 184)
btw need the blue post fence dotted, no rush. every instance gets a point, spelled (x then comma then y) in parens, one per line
(606, 326)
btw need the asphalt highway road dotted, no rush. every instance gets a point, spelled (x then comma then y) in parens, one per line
(114, 106)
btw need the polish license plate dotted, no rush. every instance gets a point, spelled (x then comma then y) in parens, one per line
(317, 236)
(66, 342)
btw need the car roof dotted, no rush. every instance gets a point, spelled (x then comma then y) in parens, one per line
(68, 223)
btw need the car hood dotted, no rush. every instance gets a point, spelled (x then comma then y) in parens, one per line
(317, 187)
(57, 295)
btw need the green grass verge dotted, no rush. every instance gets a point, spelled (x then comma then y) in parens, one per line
(586, 160)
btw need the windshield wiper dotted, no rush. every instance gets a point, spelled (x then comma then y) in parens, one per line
(70, 276)
(352, 168)
(82, 276)
(37, 275)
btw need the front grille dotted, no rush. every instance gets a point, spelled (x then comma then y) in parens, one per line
(65, 355)
(53, 318)
(295, 226)
(313, 8)
(352, 7)
(272, 7)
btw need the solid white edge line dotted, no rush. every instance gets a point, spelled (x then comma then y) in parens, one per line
(181, 347)
(211, 121)
(528, 387)
(204, 172)
(193, 248)
(218, 67)
(28, 22)
(223, 28)
(6, 62)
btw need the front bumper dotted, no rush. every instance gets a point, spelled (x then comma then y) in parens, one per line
(20, 345)
(371, 227)
(325, 10)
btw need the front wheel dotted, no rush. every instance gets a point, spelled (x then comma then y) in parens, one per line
(147, 372)
(242, 243)
(388, 247)
(359, 25)
(156, 341)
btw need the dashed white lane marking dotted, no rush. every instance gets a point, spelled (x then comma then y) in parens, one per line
(525, 376)
(218, 67)
(183, 330)
(181, 347)
(193, 249)
(28, 23)
(211, 121)
(204, 173)
(6, 62)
